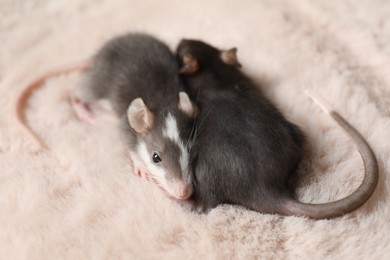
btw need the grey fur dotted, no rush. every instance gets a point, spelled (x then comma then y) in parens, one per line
(245, 151)
(138, 65)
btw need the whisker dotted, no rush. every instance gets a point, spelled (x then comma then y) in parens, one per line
(196, 126)
(192, 131)
(199, 126)
(197, 96)
(195, 120)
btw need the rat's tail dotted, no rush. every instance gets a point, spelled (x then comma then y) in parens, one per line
(27, 91)
(359, 196)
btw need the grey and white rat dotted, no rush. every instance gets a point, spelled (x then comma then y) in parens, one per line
(245, 151)
(139, 76)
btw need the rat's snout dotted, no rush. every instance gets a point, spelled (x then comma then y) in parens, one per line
(183, 191)
(186, 192)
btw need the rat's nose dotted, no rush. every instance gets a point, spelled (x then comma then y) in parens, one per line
(185, 192)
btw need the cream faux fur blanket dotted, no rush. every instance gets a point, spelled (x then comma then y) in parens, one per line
(79, 200)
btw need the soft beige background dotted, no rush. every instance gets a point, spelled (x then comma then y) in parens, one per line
(79, 200)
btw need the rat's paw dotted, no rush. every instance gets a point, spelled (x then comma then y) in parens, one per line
(139, 171)
(145, 175)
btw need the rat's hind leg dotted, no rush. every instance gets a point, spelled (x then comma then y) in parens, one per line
(82, 109)
(81, 98)
(89, 100)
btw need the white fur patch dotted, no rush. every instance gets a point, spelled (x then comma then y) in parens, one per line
(145, 156)
(171, 131)
(157, 172)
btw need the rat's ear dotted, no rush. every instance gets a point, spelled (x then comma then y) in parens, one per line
(140, 117)
(230, 57)
(186, 105)
(190, 65)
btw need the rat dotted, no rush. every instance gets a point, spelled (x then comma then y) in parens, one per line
(139, 77)
(244, 150)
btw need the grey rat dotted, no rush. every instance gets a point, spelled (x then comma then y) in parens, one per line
(139, 76)
(244, 150)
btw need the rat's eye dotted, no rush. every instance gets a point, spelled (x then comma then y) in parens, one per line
(156, 158)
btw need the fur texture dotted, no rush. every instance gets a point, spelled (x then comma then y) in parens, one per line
(80, 199)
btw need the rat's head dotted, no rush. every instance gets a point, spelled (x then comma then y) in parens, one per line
(194, 55)
(163, 143)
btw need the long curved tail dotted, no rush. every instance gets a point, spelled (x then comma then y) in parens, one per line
(360, 195)
(29, 89)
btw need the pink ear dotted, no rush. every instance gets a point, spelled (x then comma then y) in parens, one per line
(186, 105)
(140, 117)
(190, 65)
(230, 57)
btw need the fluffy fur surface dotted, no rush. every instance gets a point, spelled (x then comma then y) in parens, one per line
(79, 200)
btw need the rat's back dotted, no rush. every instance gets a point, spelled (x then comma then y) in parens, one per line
(130, 66)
